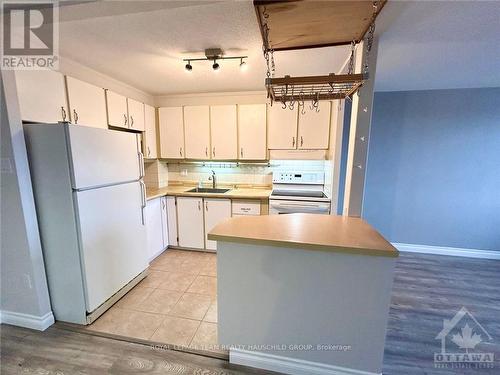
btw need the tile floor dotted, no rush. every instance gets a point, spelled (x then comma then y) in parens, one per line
(175, 304)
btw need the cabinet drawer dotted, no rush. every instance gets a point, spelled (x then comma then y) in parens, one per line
(246, 208)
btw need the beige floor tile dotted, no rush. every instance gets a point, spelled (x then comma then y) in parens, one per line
(191, 306)
(205, 337)
(176, 331)
(134, 298)
(128, 323)
(159, 301)
(204, 285)
(166, 264)
(176, 281)
(211, 315)
(153, 279)
(189, 267)
(209, 270)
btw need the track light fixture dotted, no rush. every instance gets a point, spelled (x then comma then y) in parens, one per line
(243, 65)
(214, 54)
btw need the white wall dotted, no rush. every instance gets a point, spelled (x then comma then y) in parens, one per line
(24, 295)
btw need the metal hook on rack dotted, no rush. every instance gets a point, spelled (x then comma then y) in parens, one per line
(301, 103)
(291, 104)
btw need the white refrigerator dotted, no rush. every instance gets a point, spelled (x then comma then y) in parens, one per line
(90, 201)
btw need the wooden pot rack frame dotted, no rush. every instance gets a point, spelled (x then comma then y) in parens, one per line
(301, 24)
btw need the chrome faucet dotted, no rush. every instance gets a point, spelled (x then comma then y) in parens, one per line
(214, 179)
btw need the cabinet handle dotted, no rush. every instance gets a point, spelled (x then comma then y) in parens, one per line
(293, 141)
(206, 206)
(125, 119)
(163, 203)
(149, 151)
(131, 121)
(206, 151)
(75, 116)
(63, 112)
(199, 206)
(180, 151)
(241, 152)
(301, 141)
(214, 151)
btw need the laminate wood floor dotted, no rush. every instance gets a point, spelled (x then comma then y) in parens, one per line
(427, 289)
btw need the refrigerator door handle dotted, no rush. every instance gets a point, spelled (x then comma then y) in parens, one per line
(141, 164)
(143, 201)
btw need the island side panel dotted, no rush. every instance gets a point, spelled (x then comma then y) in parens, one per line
(283, 296)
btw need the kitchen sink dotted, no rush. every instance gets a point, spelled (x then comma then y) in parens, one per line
(207, 190)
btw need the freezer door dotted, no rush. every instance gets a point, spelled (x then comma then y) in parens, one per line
(103, 157)
(112, 239)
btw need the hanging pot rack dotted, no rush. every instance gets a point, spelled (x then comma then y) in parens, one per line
(299, 24)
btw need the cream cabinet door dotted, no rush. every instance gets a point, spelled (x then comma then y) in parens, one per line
(172, 221)
(149, 135)
(216, 211)
(314, 128)
(252, 135)
(171, 132)
(282, 128)
(154, 228)
(224, 132)
(42, 96)
(87, 103)
(117, 109)
(197, 132)
(135, 115)
(190, 222)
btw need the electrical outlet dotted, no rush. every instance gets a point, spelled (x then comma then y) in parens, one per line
(6, 165)
(184, 172)
(27, 281)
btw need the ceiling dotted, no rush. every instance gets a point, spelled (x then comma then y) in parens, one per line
(142, 43)
(423, 45)
(438, 45)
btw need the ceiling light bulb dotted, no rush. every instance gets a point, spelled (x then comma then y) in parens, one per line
(189, 67)
(216, 66)
(243, 65)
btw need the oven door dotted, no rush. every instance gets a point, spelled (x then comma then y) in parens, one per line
(280, 207)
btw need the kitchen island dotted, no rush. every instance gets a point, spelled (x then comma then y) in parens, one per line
(302, 293)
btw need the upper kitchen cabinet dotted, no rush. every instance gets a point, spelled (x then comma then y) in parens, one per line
(171, 126)
(282, 128)
(117, 110)
(252, 132)
(42, 96)
(135, 115)
(87, 103)
(224, 132)
(197, 132)
(149, 132)
(314, 128)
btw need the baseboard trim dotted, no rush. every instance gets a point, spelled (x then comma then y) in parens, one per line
(40, 323)
(451, 251)
(288, 365)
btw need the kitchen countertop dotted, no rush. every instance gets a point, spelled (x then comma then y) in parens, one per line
(236, 193)
(306, 231)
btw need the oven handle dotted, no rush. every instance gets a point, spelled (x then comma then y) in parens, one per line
(299, 206)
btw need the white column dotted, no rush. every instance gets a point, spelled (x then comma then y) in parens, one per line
(362, 104)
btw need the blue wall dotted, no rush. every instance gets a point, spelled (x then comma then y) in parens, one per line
(433, 175)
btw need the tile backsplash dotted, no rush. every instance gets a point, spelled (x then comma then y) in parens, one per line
(159, 173)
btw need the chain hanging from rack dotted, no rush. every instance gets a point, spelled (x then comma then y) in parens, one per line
(317, 88)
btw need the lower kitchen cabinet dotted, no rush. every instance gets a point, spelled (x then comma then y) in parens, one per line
(190, 222)
(216, 210)
(156, 227)
(173, 240)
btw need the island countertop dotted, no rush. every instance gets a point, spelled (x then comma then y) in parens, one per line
(306, 231)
